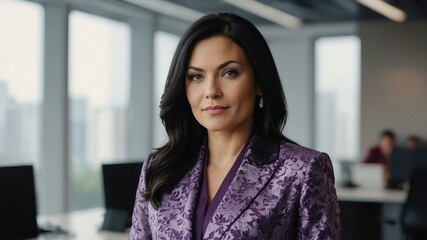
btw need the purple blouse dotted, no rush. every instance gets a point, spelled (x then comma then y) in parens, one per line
(205, 211)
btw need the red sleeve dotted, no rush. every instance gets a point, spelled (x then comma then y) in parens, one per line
(370, 157)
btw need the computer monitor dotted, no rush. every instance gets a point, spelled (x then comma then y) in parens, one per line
(404, 161)
(368, 175)
(18, 214)
(120, 185)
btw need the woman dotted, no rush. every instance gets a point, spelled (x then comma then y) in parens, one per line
(227, 171)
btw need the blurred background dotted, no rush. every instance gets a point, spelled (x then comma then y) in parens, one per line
(81, 80)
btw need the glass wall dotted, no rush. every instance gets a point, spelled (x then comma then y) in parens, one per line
(337, 99)
(21, 66)
(164, 49)
(97, 76)
(99, 79)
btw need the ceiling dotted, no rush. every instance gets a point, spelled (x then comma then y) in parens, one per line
(312, 11)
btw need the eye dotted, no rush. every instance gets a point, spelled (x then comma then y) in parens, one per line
(194, 77)
(230, 73)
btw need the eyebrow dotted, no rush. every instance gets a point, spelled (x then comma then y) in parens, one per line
(223, 65)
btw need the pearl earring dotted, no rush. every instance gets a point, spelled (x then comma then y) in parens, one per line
(261, 102)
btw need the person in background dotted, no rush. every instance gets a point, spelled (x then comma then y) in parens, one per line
(227, 171)
(412, 142)
(381, 152)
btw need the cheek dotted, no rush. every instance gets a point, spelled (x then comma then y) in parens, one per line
(192, 95)
(246, 96)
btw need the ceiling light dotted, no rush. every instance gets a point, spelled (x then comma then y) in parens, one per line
(169, 9)
(267, 12)
(385, 9)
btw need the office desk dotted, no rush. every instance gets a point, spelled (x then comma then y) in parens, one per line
(378, 195)
(371, 213)
(82, 225)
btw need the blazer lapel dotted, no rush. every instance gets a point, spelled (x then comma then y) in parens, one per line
(175, 216)
(258, 167)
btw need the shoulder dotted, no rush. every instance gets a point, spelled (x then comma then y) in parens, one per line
(266, 151)
(291, 152)
(295, 151)
(373, 154)
(305, 161)
(375, 149)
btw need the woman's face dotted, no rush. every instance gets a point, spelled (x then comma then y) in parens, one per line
(220, 86)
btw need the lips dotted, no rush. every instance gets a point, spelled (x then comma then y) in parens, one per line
(214, 110)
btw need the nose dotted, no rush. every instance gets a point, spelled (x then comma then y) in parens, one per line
(213, 91)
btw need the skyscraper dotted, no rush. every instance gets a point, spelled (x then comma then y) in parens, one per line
(22, 133)
(79, 132)
(3, 105)
(109, 134)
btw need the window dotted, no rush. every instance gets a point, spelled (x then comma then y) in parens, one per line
(21, 28)
(165, 45)
(337, 88)
(99, 78)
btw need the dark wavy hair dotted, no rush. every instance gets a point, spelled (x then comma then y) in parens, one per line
(169, 163)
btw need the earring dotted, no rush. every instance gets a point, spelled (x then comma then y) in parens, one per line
(261, 102)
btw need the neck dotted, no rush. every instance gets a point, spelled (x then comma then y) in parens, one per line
(225, 147)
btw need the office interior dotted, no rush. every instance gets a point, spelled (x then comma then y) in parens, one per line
(81, 81)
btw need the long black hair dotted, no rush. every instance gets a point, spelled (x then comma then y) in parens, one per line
(169, 164)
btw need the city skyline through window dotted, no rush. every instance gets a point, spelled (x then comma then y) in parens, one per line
(99, 79)
(164, 49)
(337, 89)
(21, 66)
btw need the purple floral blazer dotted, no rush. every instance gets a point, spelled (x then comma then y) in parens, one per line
(280, 191)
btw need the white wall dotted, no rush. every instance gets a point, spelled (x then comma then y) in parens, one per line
(293, 52)
(293, 57)
(394, 79)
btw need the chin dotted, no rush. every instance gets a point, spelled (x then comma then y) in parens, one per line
(215, 129)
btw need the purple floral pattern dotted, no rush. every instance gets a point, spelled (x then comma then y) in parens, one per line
(281, 191)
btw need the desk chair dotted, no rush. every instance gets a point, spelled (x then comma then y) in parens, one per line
(120, 185)
(18, 215)
(414, 214)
